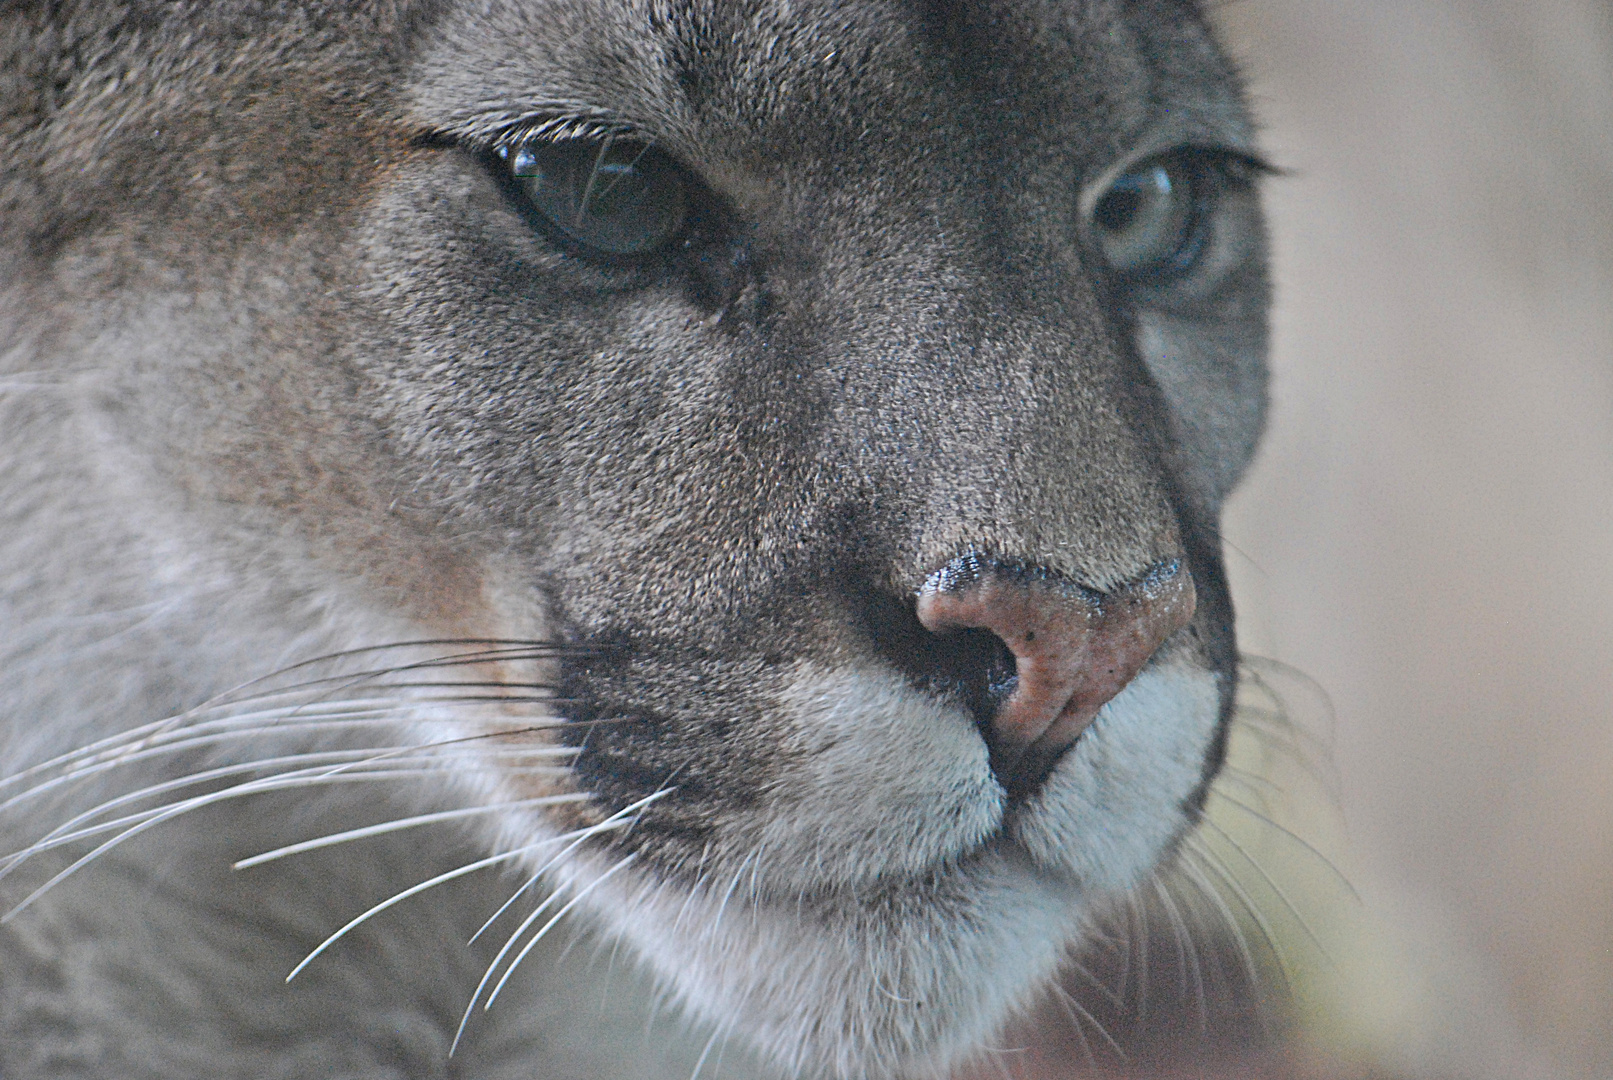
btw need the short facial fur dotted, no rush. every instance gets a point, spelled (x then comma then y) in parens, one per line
(289, 370)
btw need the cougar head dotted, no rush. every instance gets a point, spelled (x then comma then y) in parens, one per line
(839, 399)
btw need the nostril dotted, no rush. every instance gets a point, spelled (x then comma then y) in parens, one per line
(1073, 649)
(974, 667)
(997, 681)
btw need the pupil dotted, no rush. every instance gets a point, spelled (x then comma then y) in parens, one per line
(616, 188)
(1118, 209)
(619, 198)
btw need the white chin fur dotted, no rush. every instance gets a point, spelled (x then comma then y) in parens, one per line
(895, 984)
(949, 916)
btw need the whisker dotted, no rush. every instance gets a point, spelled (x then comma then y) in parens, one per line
(492, 860)
(621, 816)
(276, 783)
(106, 748)
(701, 1061)
(235, 791)
(1257, 785)
(722, 1048)
(1206, 888)
(1272, 884)
(1111, 995)
(1081, 1016)
(504, 950)
(1283, 830)
(722, 906)
(399, 824)
(1281, 741)
(495, 650)
(279, 722)
(430, 767)
(489, 649)
(431, 684)
(631, 808)
(593, 177)
(413, 890)
(617, 179)
(1140, 941)
(1276, 724)
(555, 918)
(65, 833)
(1186, 951)
(1209, 861)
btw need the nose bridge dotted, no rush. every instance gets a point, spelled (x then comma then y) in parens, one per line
(1081, 492)
(1022, 420)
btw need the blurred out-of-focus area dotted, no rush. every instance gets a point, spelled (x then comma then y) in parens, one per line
(1428, 531)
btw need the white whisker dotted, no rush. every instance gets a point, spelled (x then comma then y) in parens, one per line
(555, 918)
(1112, 996)
(314, 759)
(1080, 1016)
(1271, 883)
(1293, 837)
(514, 937)
(202, 735)
(64, 833)
(307, 692)
(356, 769)
(298, 779)
(1210, 862)
(701, 1061)
(491, 860)
(613, 821)
(733, 883)
(185, 725)
(398, 824)
(1246, 953)
(1188, 954)
(1207, 888)
(1137, 943)
(398, 898)
(537, 874)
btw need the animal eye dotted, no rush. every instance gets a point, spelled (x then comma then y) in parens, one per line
(1151, 221)
(614, 196)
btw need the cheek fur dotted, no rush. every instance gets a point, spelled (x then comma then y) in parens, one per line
(884, 782)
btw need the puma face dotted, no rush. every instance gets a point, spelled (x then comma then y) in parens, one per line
(806, 424)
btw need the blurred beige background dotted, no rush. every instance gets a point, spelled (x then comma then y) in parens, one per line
(1429, 530)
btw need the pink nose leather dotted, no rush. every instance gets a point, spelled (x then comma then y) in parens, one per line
(1073, 649)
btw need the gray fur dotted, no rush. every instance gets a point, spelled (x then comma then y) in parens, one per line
(284, 372)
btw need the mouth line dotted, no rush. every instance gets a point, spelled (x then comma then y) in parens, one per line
(761, 888)
(974, 869)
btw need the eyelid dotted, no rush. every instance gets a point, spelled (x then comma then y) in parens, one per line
(559, 129)
(1228, 161)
